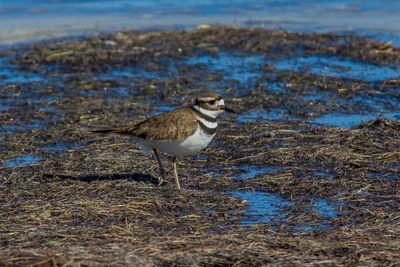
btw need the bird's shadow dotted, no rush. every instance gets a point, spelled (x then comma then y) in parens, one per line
(139, 177)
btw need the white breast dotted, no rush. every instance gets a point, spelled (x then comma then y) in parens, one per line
(190, 146)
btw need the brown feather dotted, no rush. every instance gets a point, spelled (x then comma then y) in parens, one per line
(176, 124)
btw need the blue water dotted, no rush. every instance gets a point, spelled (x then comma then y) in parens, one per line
(251, 171)
(387, 176)
(238, 67)
(10, 129)
(22, 160)
(13, 76)
(246, 68)
(261, 115)
(190, 6)
(24, 20)
(325, 175)
(337, 67)
(138, 72)
(162, 109)
(61, 147)
(325, 209)
(10, 75)
(232, 66)
(350, 120)
(262, 207)
(347, 120)
(242, 68)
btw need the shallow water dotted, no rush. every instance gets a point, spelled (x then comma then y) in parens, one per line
(246, 68)
(25, 20)
(337, 67)
(21, 127)
(261, 115)
(350, 120)
(10, 75)
(385, 176)
(331, 119)
(250, 171)
(61, 147)
(243, 69)
(22, 160)
(231, 65)
(325, 209)
(262, 207)
(325, 175)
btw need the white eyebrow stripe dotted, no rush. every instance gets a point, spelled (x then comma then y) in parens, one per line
(206, 99)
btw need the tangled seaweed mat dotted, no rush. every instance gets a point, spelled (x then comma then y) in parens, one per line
(115, 218)
(96, 202)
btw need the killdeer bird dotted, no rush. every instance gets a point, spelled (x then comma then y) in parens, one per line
(179, 132)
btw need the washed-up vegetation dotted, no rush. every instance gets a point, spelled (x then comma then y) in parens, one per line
(313, 193)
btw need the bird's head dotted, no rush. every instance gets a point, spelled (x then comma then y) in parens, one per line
(211, 104)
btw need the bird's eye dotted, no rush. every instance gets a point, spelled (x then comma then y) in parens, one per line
(211, 102)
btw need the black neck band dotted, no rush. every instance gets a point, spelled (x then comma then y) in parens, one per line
(209, 131)
(204, 116)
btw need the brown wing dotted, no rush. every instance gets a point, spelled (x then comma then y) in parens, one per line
(176, 124)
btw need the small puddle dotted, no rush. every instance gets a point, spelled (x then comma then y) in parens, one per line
(22, 160)
(325, 209)
(250, 171)
(350, 120)
(262, 207)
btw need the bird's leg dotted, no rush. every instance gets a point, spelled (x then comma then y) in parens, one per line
(162, 171)
(176, 173)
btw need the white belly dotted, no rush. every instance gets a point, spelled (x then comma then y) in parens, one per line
(190, 146)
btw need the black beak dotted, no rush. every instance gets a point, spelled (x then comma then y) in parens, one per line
(229, 109)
